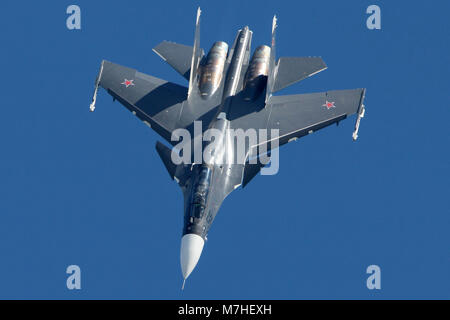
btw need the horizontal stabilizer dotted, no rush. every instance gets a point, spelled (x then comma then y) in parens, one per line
(293, 69)
(178, 56)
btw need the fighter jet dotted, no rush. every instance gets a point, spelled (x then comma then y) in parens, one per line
(227, 89)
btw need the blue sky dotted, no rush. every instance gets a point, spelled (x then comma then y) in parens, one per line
(89, 188)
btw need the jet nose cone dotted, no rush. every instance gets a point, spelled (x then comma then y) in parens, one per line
(191, 249)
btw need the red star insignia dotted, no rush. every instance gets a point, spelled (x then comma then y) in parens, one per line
(329, 105)
(128, 83)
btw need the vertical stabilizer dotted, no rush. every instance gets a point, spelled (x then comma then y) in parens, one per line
(272, 66)
(196, 54)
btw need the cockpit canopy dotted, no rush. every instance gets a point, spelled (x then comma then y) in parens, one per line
(200, 192)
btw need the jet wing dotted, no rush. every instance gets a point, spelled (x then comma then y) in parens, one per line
(298, 115)
(160, 104)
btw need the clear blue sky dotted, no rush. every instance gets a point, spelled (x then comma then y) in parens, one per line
(89, 188)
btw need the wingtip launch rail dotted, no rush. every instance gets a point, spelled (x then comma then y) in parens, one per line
(361, 112)
(97, 82)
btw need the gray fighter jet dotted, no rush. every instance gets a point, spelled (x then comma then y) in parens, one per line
(227, 90)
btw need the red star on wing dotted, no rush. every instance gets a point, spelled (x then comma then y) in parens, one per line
(128, 83)
(329, 105)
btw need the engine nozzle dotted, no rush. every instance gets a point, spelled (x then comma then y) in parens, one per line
(212, 71)
(256, 75)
